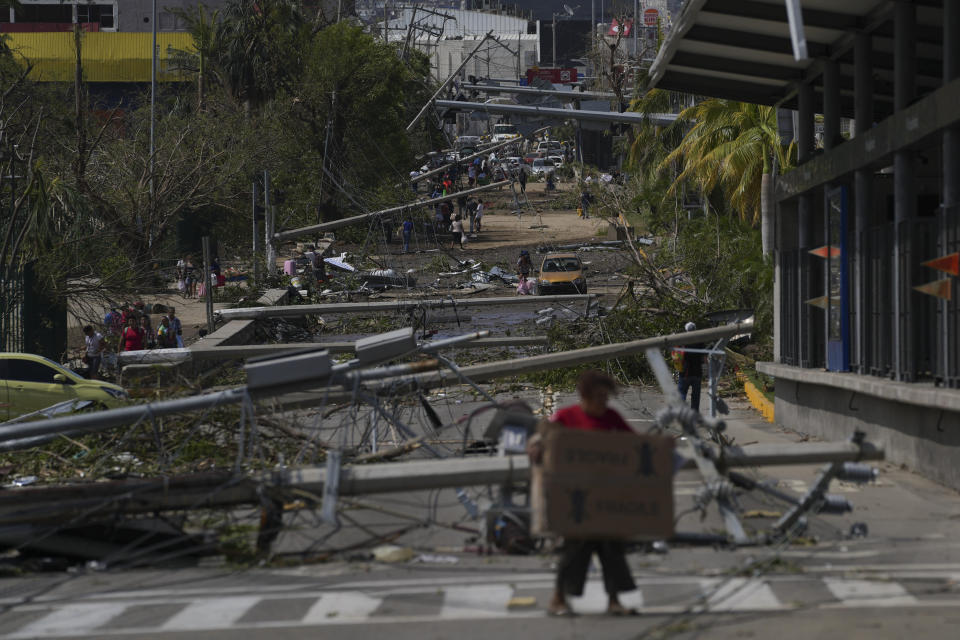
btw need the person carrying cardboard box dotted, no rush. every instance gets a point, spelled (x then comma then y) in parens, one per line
(591, 414)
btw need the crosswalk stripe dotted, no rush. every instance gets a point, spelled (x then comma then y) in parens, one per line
(860, 593)
(335, 607)
(740, 594)
(71, 619)
(480, 601)
(595, 599)
(210, 613)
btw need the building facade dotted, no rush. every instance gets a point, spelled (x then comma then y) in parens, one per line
(867, 331)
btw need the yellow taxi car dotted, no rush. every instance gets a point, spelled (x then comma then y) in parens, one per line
(30, 383)
(561, 273)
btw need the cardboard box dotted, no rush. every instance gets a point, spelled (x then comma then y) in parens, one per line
(603, 486)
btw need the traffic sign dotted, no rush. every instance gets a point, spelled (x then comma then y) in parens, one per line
(650, 17)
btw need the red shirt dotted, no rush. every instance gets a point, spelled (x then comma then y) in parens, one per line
(574, 417)
(132, 339)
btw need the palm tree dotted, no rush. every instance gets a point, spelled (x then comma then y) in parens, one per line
(734, 146)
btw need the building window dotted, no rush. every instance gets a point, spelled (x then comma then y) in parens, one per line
(57, 13)
(101, 14)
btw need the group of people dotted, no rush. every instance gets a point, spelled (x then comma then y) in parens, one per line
(129, 329)
(189, 275)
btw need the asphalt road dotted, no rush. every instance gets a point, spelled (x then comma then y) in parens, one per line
(901, 580)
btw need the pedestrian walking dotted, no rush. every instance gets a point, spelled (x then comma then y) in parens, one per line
(691, 372)
(189, 277)
(524, 264)
(94, 344)
(462, 206)
(585, 200)
(592, 413)
(149, 340)
(456, 232)
(478, 215)
(407, 231)
(523, 181)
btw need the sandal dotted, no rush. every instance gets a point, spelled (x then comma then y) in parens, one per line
(561, 612)
(621, 611)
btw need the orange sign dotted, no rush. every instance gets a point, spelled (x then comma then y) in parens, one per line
(826, 251)
(938, 289)
(948, 264)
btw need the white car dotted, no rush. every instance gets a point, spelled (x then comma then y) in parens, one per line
(557, 160)
(542, 166)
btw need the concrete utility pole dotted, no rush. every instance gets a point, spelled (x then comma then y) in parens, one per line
(300, 310)
(626, 117)
(268, 213)
(41, 504)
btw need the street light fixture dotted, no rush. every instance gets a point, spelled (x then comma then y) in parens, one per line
(568, 13)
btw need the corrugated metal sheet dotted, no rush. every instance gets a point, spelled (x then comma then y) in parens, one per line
(107, 57)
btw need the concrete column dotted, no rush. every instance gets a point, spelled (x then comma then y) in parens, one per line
(863, 198)
(904, 189)
(805, 207)
(948, 366)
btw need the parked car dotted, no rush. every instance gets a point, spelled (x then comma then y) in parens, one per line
(561, 273)
(542, 166)
(30, 383)
(557, 161)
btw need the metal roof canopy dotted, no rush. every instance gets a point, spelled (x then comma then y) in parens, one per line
(741, 49)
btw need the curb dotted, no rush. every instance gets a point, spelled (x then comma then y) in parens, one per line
(757, 399)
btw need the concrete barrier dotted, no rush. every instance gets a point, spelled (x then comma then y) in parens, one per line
(917, 424)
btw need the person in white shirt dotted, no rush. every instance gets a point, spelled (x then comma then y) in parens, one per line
(93, 353)
(456, 231)
(477, 217)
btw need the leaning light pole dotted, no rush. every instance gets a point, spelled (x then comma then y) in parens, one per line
(153, 118)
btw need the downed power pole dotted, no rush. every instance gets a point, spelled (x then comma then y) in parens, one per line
(199, 491)
(346, 222)
(626, 117)
(294, 311)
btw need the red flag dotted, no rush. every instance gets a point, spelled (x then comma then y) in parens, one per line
(938, 288)
(948, 264)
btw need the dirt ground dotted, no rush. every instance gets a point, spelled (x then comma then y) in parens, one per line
(505, 232)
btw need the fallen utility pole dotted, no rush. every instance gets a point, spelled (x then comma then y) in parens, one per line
(444, 84)
(627, 117)
(103, 420)
(545, 362)
(297, 310)
(36, 505)
(346, 222)
(567, 96)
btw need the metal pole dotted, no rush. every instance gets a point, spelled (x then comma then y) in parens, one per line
(904, 191)
(256, 235)
(947, 353)
(627, 117)
(444, 84)
(863, 195)
(207, 282)
(554, 41)
(805, 225)
(153, 116)
(636, 29)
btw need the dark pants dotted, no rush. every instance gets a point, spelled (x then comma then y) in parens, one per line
(93, 366)
(575, 561)
(694, 385)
